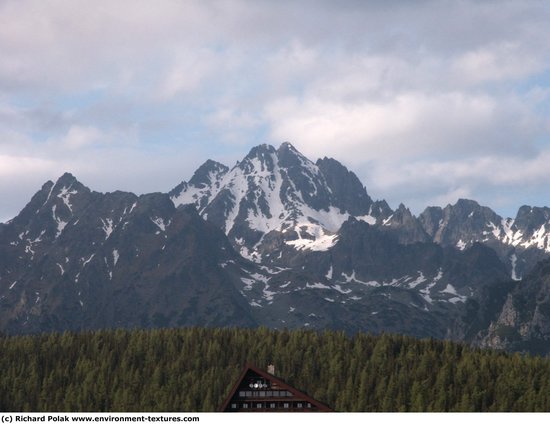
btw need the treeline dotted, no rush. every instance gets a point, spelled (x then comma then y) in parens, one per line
(193, 369)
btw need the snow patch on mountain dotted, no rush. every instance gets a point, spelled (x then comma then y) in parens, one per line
(426, 292)
(107, 227)
(419, 280)
(268, 294)
(192, 195)
(353, 279)
(514, 261)
(86, 261)
(317, 285)
(339, 289)
(312, 237)
(65, 195)
(451, 290)
(461, 245)
(368, 218)
(49, 194)
(509, 233)
(159, 221)
(60, 223)
(539, 239)
(495, 230)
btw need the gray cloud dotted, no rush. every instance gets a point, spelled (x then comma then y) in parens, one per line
(436, 96)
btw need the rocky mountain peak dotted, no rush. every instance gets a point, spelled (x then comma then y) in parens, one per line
(277, 190)
(261, 159)
(529, 219)
(66, 179)
(462, 223)
(349, 193)
(287, 146)
(431, 219)
(208, 173)
(289, 156)
(405, 226)
(466, 205)
(68, 184)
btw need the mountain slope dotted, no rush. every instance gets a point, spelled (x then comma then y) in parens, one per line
(523, 323)
(520, 242)
(77, 259)
(280, 191)
(277, 240)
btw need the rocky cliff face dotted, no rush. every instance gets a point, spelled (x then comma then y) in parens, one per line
(523, 323)
(519, 242)
(77, 259)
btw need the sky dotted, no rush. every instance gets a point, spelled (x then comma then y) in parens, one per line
(426, 101)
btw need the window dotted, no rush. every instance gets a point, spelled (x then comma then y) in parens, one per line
(299, 405)
(272, 405)
(233, 405)
(241, 394)
(245, 405)
(248, 393)
(285, 405)
(262, 394)
(259, 405)
(276, 393)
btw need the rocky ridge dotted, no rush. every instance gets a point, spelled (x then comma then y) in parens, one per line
(276, 240)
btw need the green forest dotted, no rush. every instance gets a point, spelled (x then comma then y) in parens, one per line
(193, 369)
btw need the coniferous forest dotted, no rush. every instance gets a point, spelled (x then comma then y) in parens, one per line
(193, 369)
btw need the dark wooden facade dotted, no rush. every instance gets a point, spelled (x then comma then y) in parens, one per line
(258, 391)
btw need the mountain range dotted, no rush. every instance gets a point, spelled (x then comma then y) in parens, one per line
(280, 241)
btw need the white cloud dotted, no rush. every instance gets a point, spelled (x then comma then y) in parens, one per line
(504, 61)
(81, 136)
(233, 125)
(13, 167)
(447, 92)
(499, 181)
(410, 126)
(188, 72)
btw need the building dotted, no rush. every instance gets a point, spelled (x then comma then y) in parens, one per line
(260, 391)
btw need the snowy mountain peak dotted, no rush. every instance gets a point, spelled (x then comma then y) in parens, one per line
(67, 180)
(66, 177)
(207, 174)
(260, 159)
(287, 146)
(530, 218)
(66, 187)
(277, 190)
(289, 155)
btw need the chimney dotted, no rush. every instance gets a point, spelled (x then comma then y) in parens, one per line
(271, 369)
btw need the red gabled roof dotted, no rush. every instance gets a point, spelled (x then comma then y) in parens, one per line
(248, 367)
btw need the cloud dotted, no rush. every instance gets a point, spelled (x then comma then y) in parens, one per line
(20, 177)
(499, 181)
(188, 72)
(79, 137)
(409, 126)
(16, 166)
(505, 61)
(447, 94)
